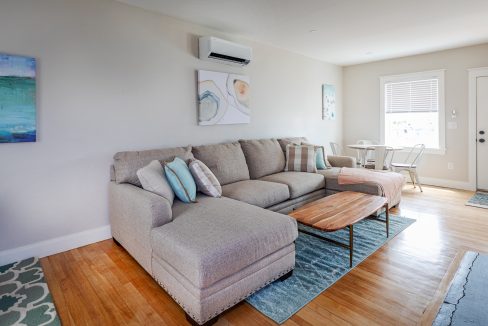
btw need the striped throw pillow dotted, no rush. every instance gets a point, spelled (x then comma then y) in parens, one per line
(207, 182)
(300, 158)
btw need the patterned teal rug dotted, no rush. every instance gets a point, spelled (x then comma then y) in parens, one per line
(319, 264)
(24, 295)
(480, 199)
(465, 302)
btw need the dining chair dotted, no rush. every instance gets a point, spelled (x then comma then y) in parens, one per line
(410, 164)
(381, 155)
(366, 155)
(336, 148)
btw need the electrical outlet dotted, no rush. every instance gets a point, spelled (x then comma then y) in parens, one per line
(450, 166)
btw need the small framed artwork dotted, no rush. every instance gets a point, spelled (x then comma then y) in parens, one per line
(223, 98)
(17, 99)
(328, 102)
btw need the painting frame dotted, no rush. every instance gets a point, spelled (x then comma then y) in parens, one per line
(223, 98)
(328, 102)
(18, 107)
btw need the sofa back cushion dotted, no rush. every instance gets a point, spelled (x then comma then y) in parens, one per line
(291, 140)
(263, 157)
(126, 164)
(226, 161)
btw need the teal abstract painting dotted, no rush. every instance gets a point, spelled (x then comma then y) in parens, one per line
(328, 102)
(17, 99)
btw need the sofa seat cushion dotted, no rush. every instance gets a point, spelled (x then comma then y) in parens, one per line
(331, 183)
(299, 183)
(263, 157)
(217, 237)
(226, 161)
(256, 192)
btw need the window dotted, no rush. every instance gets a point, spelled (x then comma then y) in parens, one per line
(413, 110)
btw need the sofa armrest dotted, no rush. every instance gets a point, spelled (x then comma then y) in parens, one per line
(342, 161)
(134, 212)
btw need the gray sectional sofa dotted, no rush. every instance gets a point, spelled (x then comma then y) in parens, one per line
(214, 253)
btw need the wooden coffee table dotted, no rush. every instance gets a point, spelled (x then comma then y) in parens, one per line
(339, 211)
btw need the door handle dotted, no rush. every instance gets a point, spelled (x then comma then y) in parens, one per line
(481, 140)
(482, 132)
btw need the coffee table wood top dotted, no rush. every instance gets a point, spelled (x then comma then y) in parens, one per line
(337, 211)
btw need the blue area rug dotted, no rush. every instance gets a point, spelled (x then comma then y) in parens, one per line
(466, 300)
(480, 199)
(319, 264)
(24, 296)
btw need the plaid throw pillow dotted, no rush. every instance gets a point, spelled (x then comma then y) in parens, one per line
(321, 156)
(300, 158)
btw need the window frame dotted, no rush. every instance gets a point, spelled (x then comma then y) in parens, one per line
(438, 74)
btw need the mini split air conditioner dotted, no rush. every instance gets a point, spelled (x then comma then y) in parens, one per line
(216, 49)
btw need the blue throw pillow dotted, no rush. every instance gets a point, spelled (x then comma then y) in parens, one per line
(320, 158)
(181, 180)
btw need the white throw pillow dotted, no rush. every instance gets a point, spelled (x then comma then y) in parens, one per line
(152, 179)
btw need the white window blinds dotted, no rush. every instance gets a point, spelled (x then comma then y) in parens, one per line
(412, 96)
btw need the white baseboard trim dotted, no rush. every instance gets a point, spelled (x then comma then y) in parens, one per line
(446, 183)
(56, 245)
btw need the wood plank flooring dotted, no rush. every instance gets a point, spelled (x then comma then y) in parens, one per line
(403, 283)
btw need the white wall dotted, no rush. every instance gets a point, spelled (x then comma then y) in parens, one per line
(113, 77)
(362, 105)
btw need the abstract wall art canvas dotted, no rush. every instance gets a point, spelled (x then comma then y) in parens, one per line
(17, 99)
(223, 98)
(328, 102)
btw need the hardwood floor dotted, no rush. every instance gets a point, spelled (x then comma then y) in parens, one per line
(403, 283)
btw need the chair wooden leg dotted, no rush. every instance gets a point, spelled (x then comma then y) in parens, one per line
(418, 181)
(287, 275)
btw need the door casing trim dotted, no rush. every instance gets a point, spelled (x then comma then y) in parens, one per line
(474, 73)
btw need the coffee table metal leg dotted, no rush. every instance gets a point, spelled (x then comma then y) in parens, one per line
(351, 244)
(387, 221)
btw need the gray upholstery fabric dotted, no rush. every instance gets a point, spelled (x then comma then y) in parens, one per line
(154, 180)
(289, 205)
(217, 237)
(342, 161)
(203, 293)
(256, 192)
(299, 183)
(226, 161)
(126, 164)
(263, 157)
(203, 305)
(133, 213)
(112, 172)
(290, 140)
(332, 184)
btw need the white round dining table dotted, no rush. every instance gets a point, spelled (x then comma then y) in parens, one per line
(363, 149)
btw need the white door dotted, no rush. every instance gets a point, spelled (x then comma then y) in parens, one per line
(482, 132)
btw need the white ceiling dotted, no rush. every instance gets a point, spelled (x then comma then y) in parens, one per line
(347, 31)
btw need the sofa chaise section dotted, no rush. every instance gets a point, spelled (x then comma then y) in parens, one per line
(333, 186)
(218, 251)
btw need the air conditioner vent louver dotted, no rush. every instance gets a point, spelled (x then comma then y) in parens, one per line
(215, 49)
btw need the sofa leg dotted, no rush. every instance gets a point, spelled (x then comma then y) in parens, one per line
(287, 275)
(116, 242)
(194, 323)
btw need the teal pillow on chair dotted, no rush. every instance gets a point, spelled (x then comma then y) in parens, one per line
(181, 180)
